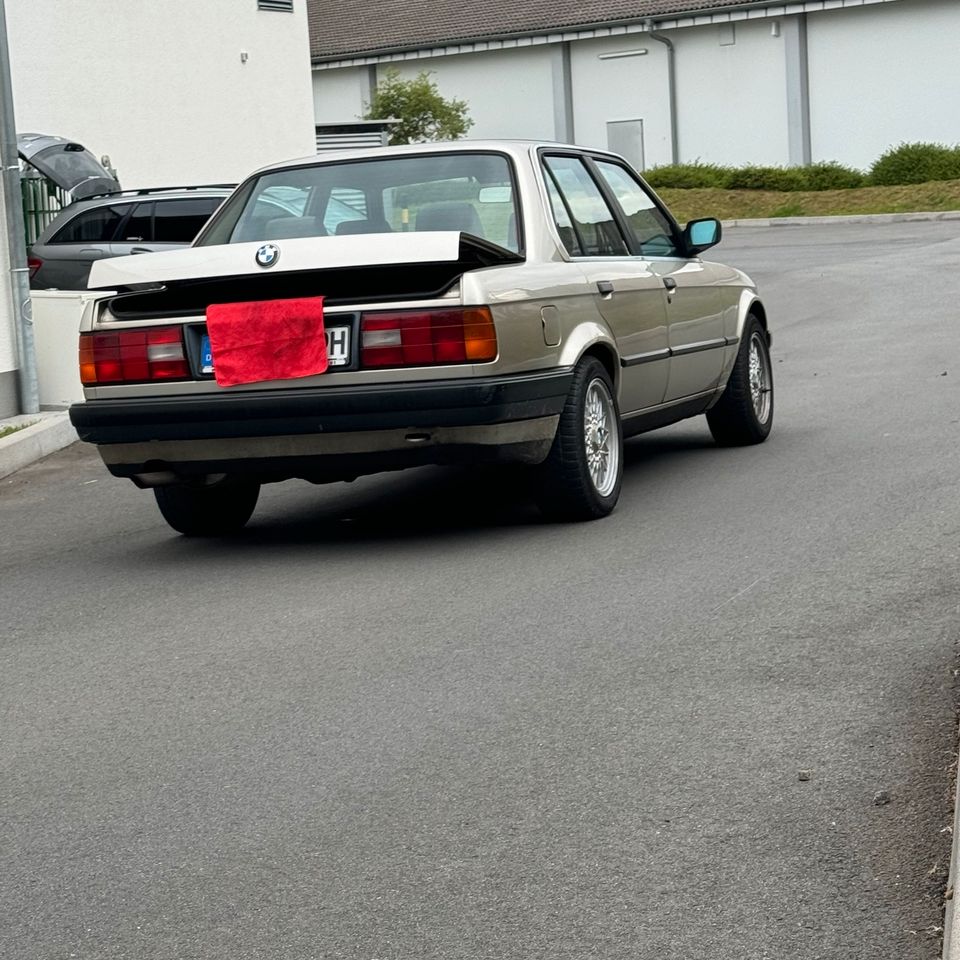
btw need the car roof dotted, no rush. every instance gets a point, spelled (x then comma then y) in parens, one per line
(150, 193)
(514, 148)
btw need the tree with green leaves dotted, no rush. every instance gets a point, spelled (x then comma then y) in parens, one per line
(417, 104)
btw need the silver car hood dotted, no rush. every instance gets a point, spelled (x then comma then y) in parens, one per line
(295, 256)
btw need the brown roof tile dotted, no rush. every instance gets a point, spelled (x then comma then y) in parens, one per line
(343, 29)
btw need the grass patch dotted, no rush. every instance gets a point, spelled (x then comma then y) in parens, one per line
(788, 210)
(940, 195)
(13, 428)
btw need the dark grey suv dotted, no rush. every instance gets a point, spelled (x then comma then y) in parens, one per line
(117, 225)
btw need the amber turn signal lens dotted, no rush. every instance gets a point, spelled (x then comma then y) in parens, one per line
(88, 368)
(479, 334)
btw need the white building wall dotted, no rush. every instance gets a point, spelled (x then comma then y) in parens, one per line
(509, 93)
(881, 75)
(622, 87)
(340, 96)
(731, 94)
(161, 88)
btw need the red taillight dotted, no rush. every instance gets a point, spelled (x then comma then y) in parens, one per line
(133, 356)
(415, 338)
(33, 265)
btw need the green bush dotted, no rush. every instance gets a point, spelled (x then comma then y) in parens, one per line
(832, 176)
(766, 178)
(685, 176)
(916, 163)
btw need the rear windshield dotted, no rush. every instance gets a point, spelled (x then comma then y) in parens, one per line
(467, 192)
(67, 165)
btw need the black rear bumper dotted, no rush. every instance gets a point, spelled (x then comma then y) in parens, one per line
(454, 403)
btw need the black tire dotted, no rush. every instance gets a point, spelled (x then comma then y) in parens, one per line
(208, 511)
(743, 415)
(567, 490)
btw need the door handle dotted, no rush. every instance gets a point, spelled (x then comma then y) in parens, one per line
(670, 284)
(140, 250)
(605, 287)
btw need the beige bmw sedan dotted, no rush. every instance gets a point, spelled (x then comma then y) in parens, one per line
(478, 301)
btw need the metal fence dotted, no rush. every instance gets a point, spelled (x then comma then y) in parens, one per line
(42, 201)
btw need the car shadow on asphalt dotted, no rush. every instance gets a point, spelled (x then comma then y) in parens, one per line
(437, 501)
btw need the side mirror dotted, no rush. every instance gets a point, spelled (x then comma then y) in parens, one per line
(700, 235)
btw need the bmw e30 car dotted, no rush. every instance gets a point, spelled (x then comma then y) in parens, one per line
(372, 310)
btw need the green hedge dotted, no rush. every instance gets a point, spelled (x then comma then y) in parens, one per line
(685, 176)
(819, 176)
(904, 164)
(916, 163)
(833, 176)
(767, 178)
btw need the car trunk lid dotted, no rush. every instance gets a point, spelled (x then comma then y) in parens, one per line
(69, 165)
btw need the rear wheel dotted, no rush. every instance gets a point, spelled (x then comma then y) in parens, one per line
(744, 413)
(581, 477)
(197, 510)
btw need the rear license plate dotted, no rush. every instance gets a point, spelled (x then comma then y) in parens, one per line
(338, 349)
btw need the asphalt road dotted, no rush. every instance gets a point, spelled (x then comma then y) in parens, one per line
(404, 719)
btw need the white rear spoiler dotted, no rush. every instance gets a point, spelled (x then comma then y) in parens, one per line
(310, 253)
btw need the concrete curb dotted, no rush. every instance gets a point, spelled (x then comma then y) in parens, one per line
(47, 433)
(858, 218)
(951, 918)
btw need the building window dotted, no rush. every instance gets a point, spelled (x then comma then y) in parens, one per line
(278, 5)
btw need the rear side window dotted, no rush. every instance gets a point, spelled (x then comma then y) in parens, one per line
(179, 221)
(562, 220)
(594, 226)
(92, 226)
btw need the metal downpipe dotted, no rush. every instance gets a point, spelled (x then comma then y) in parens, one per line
(671, 87)
(15, 235)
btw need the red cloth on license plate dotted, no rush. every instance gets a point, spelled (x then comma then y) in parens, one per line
(267, 340)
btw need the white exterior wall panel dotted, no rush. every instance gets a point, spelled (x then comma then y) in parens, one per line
(340, 96)
(161, 87)
(881, 75)
(509, 93)
(621, 87)
(731, 96)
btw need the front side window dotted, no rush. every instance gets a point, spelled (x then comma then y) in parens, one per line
(470, 193)
(92, 226)
(593, 223)
(652, 232)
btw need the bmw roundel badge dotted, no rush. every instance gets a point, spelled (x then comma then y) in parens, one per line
(268, 255)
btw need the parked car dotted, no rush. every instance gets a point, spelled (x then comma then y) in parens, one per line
(118, 225)
(532, 303)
